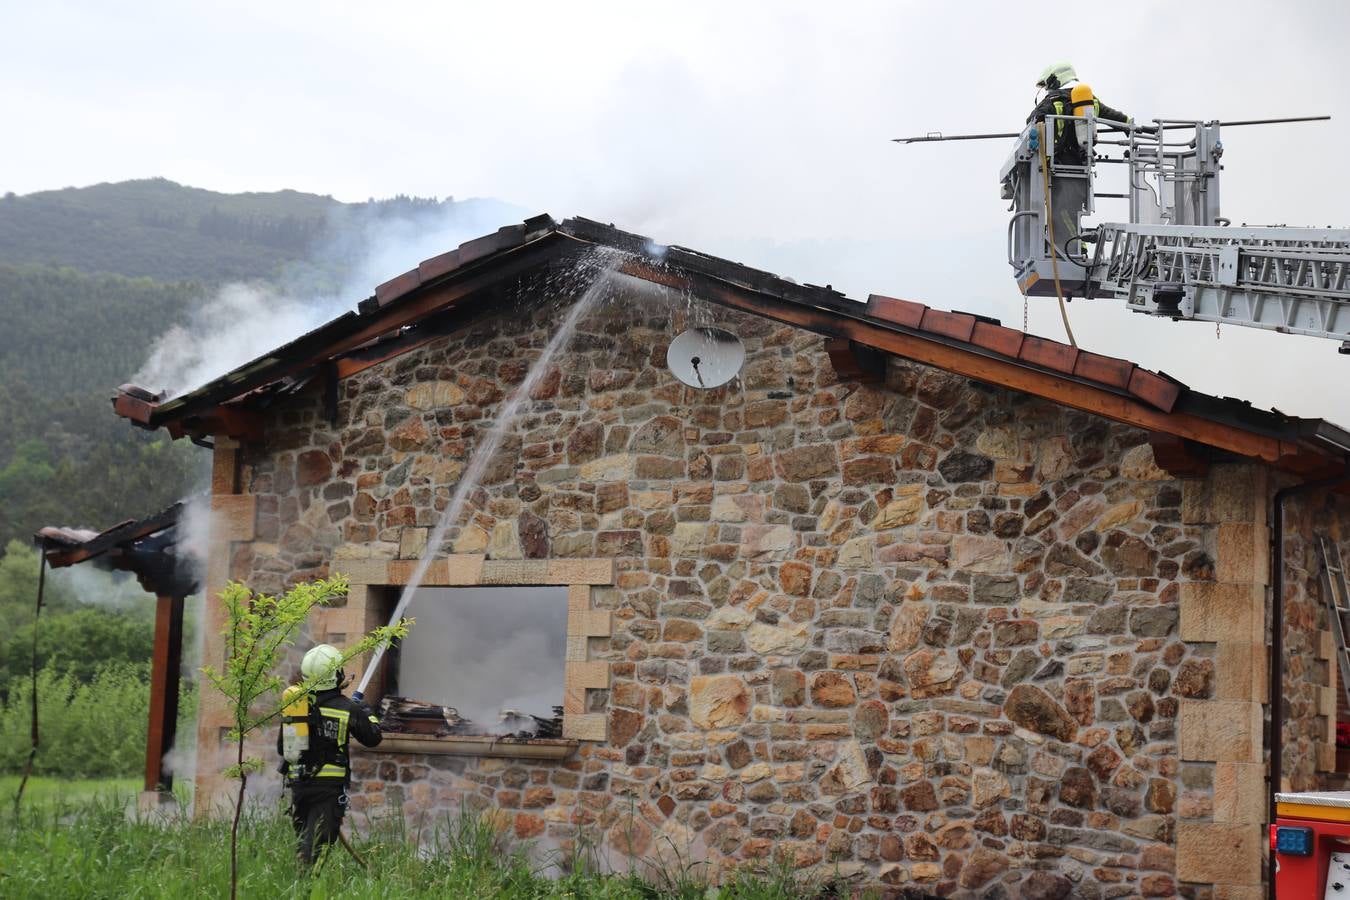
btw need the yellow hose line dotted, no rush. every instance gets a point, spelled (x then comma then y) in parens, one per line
(1054, 249)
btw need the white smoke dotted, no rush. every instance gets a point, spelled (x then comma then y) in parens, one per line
(364, 247)
(196, 524)
(113, 591)
(241, 321)
(484, 650)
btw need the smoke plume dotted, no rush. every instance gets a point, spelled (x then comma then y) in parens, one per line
(364, 246)
(483, 650)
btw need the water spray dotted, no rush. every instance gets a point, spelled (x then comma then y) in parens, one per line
(484, 454)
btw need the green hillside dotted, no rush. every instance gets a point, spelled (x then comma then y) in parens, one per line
(90, 277)
(160, 229)
(70, 339)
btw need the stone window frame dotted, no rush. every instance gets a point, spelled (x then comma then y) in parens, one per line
(580, 673)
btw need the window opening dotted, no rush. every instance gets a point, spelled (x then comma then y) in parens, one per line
(480, 661)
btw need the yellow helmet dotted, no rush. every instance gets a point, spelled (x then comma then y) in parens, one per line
(324, 662)
(1056, 75)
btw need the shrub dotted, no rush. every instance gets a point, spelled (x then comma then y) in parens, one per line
(89, 729)
(80, 642)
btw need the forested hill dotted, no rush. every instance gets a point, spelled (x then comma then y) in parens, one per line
(159, 229)
(89, 277)
(163, 230)
(69, 339)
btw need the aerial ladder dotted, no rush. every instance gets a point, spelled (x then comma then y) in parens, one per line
(1176, 256)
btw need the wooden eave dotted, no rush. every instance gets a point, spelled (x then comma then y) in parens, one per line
(394, 321)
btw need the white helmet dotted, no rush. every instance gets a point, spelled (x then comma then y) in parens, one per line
(1056, 75)
(323, 661)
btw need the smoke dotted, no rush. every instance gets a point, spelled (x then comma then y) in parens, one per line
(483, 650)
(195, 527)
(364, 246)
(114, 591)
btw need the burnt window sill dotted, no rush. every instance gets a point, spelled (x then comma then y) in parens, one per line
(472, 745)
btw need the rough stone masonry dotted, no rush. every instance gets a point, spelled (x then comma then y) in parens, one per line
(925, 633)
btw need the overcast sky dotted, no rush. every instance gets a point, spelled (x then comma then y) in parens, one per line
(757, 131)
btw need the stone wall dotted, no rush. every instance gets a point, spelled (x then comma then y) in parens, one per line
(924, 631)
(1312, 686)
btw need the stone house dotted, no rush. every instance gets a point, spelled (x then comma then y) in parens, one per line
(933, 603)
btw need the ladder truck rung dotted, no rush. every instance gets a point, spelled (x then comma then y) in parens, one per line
(1332, 580)
(1285, 279)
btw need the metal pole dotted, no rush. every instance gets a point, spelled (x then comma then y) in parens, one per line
(939, 136)
(1164, 125)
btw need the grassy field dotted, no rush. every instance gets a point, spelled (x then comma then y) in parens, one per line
(45, 791)
(99, 849)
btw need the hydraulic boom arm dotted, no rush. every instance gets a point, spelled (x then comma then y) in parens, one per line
(1176, 256)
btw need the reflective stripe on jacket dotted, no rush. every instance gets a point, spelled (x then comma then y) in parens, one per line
(1057, 103)
(334, 720)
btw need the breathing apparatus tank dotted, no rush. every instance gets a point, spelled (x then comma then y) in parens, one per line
(294, 723)
(1081, 104)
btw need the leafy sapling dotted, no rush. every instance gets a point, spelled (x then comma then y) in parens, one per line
(259, 629)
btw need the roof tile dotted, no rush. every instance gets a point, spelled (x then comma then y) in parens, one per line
(1049, 354)
(1154, 389)
(396, 287)
(70, 536)
(997, 338)
(128, 406)
(956, 325)
(501, 239)
(1104, 369)
(897, 312)
(438, 265)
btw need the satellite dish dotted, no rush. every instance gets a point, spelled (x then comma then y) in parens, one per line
(705, 357)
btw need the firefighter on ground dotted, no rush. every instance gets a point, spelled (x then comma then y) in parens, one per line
(315, 767)
(1069, 195)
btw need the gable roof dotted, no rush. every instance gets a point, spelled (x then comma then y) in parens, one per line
(444, 292)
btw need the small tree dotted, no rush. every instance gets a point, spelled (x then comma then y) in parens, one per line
(258, 630)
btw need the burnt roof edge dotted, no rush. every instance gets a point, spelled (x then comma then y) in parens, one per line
(305, 349)
(1318, 434)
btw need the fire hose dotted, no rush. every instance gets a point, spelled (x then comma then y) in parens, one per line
(1054, 248)
(352, 850)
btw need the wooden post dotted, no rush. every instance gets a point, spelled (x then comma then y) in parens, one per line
(165, 670)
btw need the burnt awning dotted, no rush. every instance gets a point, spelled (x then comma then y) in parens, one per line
(148, 548)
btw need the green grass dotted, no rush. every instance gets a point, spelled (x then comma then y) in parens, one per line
(98, 849)
(43, 790)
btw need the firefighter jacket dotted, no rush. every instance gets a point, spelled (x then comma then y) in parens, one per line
(1056, 103)
(333, 719)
